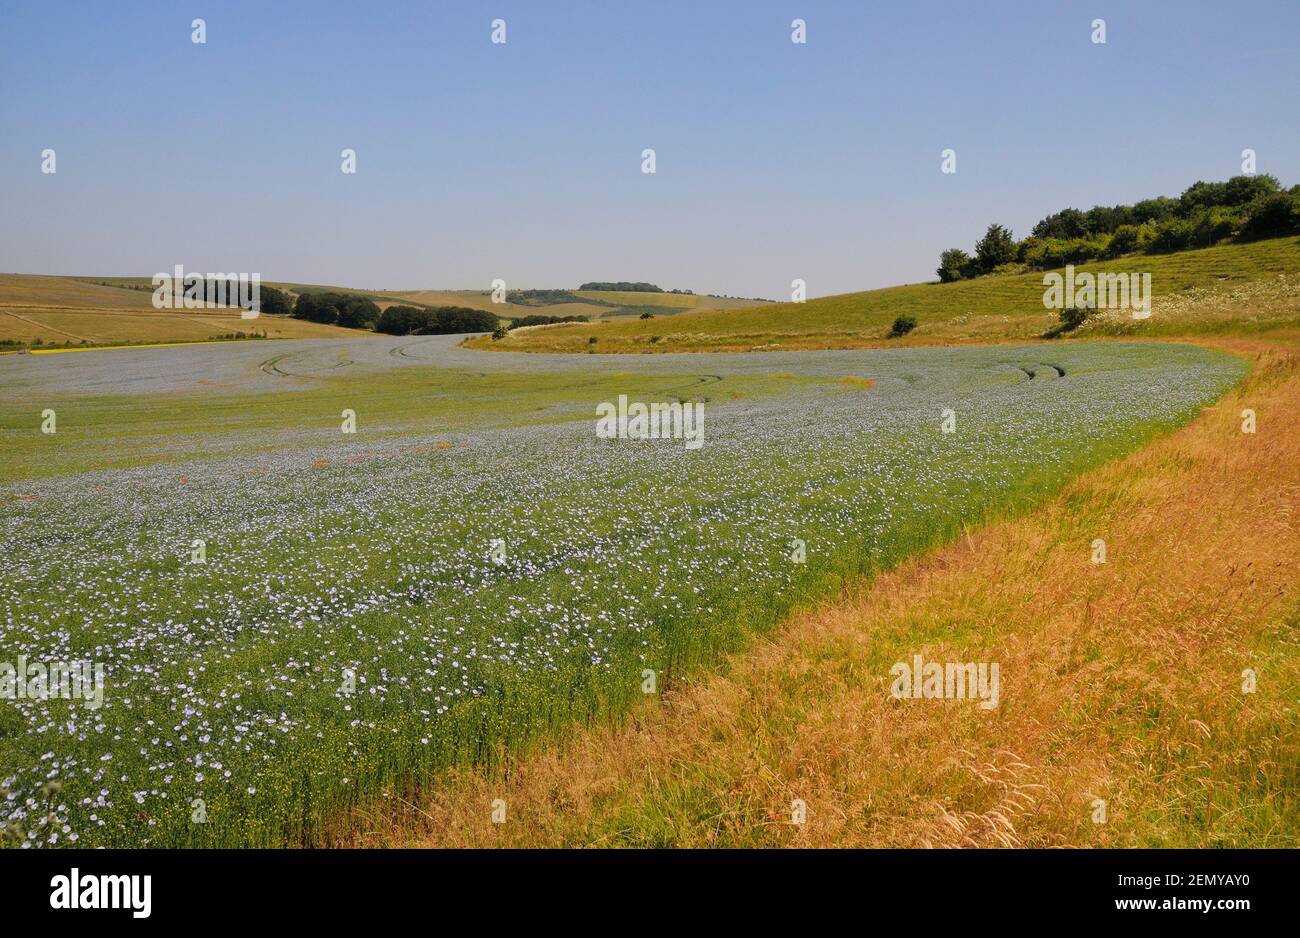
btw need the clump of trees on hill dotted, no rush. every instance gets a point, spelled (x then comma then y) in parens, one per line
(532, 320)
(228, 293)
(621, 286)
(437, 320)
(360, 312)
(1244, 208)
(339, 309)
(276, 302)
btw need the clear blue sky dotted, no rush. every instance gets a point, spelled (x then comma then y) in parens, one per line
(522, 160)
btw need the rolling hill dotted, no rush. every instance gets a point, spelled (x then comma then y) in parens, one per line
(75, 312)
(1253, 286)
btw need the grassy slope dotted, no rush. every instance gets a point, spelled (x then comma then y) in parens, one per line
(1229, 287)
(1121, 682)
(99, 311)
(76, 311)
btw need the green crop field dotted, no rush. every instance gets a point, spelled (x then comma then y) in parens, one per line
(473, 570)
(1232, 287)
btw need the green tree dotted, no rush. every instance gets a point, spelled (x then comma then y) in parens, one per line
(953, 265)
(275, 302)
(996, 248)
(357, 312)
(1273, 217)
(1067, 223)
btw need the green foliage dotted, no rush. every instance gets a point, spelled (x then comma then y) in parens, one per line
(344, 309)
(622, 286)
(437, 320)
(1125, 240)
(996, 248)
(902, 326)
(549, 298)
(954, 264)
(1065, 224)
(1272, 217)
(536, 320)
(1205, 214)
(275, 302)
(358, 313)
(1072, 318)
(1172, 234)
(1069, 319)
(1209, 226)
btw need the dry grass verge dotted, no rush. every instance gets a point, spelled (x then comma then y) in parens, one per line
(1120, 682)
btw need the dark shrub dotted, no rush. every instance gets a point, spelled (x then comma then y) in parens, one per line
(1072, 318)
(902, 326)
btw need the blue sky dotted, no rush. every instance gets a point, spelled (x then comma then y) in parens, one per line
(523, 161)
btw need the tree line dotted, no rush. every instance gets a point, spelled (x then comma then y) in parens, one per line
(1244, 208)
(621, 286)
(536, 320)
(435, 320)
(360, 312)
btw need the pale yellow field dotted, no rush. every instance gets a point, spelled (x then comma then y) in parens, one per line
(61, 310)
(52, 292)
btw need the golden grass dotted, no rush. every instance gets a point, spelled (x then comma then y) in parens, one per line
(60, 310)
(18, 290)
(1119, 681)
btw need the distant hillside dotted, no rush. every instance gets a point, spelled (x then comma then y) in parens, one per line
(45, 312)
(1253, 286)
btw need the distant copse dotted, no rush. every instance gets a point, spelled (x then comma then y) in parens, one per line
(621, 286)
(355, 312)
(276, 302)
(534, 320)
(438, 320)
